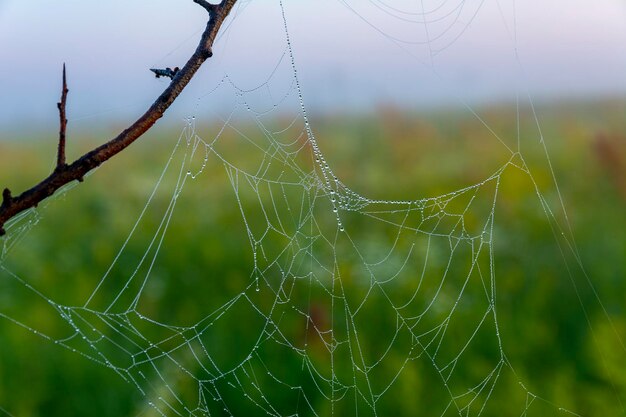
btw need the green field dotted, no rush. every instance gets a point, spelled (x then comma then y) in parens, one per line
(519, 307)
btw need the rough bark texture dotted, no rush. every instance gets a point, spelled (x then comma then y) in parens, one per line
(75, 171)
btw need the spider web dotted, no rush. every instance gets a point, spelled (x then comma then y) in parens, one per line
(339, 304)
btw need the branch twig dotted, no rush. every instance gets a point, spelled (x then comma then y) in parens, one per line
(211, 8)
(76, 170)
(62, 124)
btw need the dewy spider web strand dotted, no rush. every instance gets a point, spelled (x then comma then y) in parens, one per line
(310, 263)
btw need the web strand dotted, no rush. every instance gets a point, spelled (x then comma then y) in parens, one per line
(331, 301)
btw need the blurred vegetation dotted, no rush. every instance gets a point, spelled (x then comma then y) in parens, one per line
(562, 336)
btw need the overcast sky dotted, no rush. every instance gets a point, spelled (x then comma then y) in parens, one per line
(350, 54)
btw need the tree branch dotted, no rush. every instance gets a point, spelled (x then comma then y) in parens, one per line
(62, 123)
(211, 8)
(76, 171)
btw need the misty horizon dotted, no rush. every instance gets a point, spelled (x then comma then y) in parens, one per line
(359, 62)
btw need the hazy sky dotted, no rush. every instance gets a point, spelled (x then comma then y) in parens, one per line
(350, 54)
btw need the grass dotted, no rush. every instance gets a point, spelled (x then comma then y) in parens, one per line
(555, 333)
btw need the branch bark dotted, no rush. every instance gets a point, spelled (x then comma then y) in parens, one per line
(62, 123)
(63, 174)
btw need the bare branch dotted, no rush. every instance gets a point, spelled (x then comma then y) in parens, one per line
(77, 170)
(211, 8)
(62, 123)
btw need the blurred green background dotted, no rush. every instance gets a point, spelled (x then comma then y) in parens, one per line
(562, 338)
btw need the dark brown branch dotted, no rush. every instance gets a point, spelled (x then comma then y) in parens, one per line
(62, 123)
(77, 170)
(211, 8)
